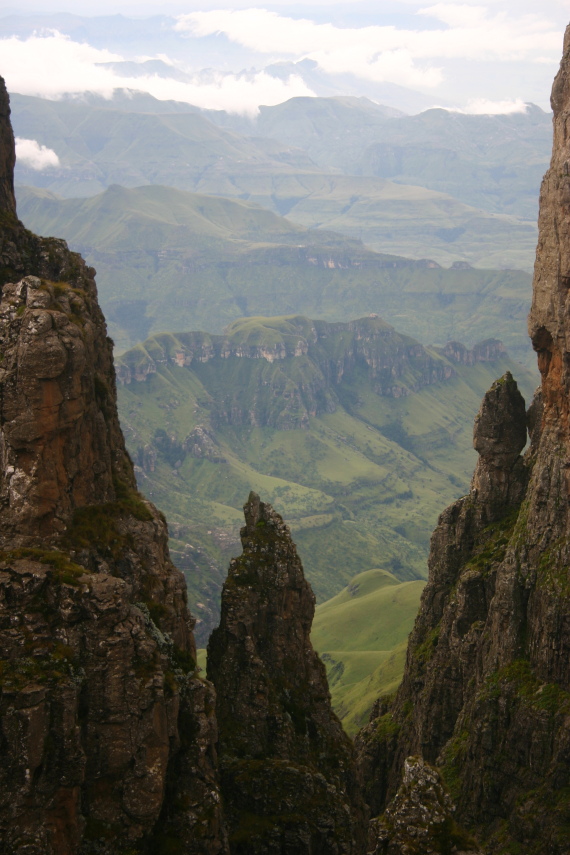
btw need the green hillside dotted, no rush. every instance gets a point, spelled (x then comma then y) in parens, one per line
(100, 146)
(361, 635)
(357, 434)
(167, 259)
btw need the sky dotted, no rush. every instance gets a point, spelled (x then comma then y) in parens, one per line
(475, 55)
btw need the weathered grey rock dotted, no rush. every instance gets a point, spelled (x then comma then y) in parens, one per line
(419, 820)
(288, 776)
(499, 436)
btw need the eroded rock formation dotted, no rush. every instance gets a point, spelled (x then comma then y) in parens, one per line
(106, 731)
(288, 775)
(486, 692)
(419, 820)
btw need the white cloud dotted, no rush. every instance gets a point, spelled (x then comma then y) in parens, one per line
(409, 57)
(485, 107)
(51, 65)
(33, 154)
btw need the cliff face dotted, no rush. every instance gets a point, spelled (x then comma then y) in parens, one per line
(288, 775)
(486, 692)
(107, 732)
(279, 372)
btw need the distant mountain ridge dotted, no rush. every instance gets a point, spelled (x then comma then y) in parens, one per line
(317, 161)
(158, 252)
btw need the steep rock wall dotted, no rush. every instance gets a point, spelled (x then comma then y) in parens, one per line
(107, 733)
(486, 692)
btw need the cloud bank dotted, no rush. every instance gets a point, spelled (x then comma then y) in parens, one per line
(493, 52)
(410, 57)
(52, 65)
(34, 155)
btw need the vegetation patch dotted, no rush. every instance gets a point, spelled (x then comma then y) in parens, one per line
(425, 651)
(518, 675)
(385, 728)
(97, 526)
(65, 571)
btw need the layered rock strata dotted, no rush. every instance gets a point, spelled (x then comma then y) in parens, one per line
(107, 733)
(486, 692)
(287, 768)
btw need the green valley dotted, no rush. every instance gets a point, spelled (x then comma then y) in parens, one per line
(357, 434)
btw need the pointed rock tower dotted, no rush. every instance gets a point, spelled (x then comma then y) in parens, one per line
(288, 776)
(486, 691)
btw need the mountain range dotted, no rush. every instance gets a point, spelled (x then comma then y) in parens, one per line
(384, 180)
(172, 260)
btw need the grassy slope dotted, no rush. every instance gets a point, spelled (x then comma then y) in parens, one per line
(361, 634)
(361, 486)
(168, 259)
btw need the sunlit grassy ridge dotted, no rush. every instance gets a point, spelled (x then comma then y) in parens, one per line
(361, 634)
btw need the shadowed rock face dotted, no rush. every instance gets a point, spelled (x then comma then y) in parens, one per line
(107, 733)
(7, 156)
(287, 768)
(486, 691)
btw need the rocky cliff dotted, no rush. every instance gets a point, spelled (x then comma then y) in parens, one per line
(288, 774)
(486, 692)
(107, 732)
(299, 365)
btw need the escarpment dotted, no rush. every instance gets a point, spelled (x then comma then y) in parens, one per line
(107, 733)
(287, 768)
(486, 691)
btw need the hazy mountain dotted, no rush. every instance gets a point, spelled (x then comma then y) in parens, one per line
(169, 260)
(99, 146)
(491, 162)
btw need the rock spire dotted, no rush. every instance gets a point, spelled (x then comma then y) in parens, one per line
(288, 775)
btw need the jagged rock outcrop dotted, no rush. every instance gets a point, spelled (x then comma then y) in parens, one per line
(419, 820)
(107, 733)
(287, 768)
(486, 691)
(484, 351)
